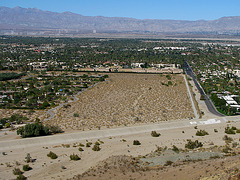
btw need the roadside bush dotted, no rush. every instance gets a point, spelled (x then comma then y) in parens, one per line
(32, 130)
(136, 142)
(26, 167)
(193, 144)
(52, 155)
(238, 131)
(17, 171)
(201, 133)
(155, 134)
(74, 157)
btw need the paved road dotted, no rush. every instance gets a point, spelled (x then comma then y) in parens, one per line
(208, 102)
(190, 95)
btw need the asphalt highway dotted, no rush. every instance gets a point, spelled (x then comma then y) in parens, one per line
(208, 102)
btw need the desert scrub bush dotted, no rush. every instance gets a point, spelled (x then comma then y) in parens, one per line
(238, 131)
(195, 127)
(80, 149)
(52, 155)
(227, 139)
(97, 143)
(81, 144)
(201, 133)
(28, 158)
(234, 144)
(215, 130)
(17, 171)
(168, 163)
(155, 134)
(96, 147)
(21, 177)
(75, 115)
(175, 149)
(74, 157)
(88, 144)
(193, 144)
(229, 130)
(26, 167)
(226, 149)
(66, 145)
(136, 142)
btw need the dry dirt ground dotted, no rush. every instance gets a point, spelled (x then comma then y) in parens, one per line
(63, 168)
(127, 99)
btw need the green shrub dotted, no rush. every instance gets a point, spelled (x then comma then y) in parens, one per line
(193, 144)
(96, 148)
(26, 167)
(226, 149)
(155, 134)
(17, 171)
(32, 130)
(74, 157)
(238, 131)
(215, 130)
(201, 133)
(136, 142)
(52, 155)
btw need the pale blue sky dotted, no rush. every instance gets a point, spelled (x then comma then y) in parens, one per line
(140, 9)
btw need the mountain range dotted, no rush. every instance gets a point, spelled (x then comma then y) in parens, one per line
(32, 21)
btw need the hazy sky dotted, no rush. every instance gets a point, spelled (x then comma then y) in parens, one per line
(140, 9)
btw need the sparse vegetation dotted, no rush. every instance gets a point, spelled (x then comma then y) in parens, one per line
(80, 149)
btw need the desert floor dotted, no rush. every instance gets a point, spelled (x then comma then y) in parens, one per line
(116, 150)
(127, 99)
